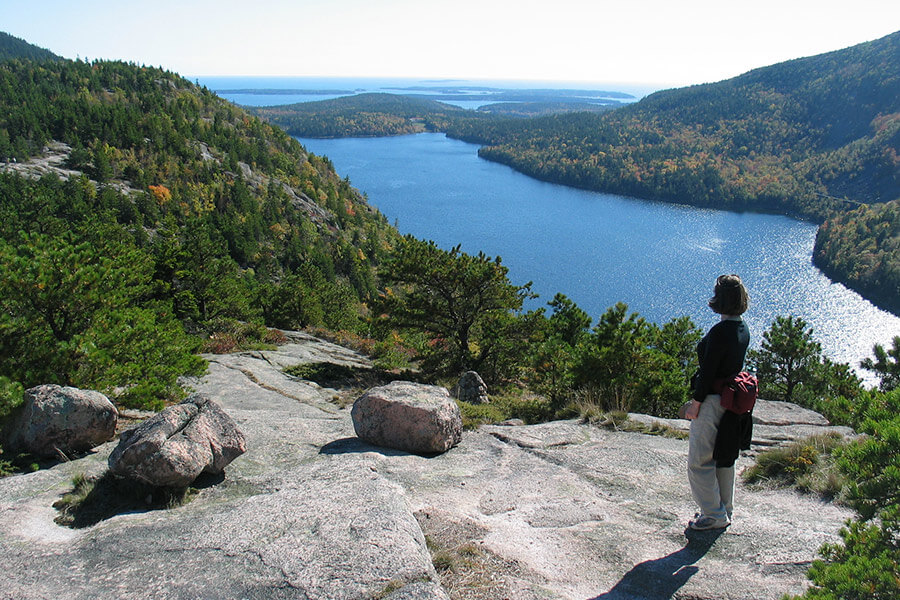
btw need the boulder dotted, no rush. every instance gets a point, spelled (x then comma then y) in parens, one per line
(55, 419)
(408, 416)
(471, 388)
(174, 447)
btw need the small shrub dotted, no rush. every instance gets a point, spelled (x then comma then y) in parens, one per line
(348, 339)
(391, 353)
(807, 465)
(11, 397)
(322, 372)
(476, 415)
(230, 335)
(513, 404)
(275, 337)
(523, 405)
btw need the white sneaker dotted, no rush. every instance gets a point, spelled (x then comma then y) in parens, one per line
(704, 522)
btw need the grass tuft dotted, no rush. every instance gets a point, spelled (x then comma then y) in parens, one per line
(94, 499)
(230, 335)
(618, 420)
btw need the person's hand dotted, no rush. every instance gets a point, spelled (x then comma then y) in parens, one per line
(693, 411)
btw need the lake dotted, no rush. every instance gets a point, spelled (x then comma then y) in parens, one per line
(598, 249)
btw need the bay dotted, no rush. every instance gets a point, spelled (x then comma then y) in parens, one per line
(466, 93)
(598, 249)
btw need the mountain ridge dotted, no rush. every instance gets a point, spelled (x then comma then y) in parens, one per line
(12, 47)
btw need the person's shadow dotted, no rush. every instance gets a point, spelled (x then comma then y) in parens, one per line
(660, 578)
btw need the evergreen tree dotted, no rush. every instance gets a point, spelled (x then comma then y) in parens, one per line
(622, 364)
(787, 358)
(886, 364)
(74, 312)
(456, 299)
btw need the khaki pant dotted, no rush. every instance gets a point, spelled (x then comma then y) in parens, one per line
(711, 487)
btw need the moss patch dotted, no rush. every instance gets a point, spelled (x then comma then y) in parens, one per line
(94, 499)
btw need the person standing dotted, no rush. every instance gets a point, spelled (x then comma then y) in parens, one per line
(721, 354)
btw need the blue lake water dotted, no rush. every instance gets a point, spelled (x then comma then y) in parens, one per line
(598, 249)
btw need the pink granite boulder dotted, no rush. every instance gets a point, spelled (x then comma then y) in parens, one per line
(408, 416)
(57, 421)
(177, 445)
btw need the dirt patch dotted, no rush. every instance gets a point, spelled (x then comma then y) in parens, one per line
(467, 569)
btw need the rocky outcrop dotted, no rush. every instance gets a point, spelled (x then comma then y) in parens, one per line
(558, 511)
(408, 416)
(775, 423)
(57, 421)
(178, 444)
(471, 388)
(52, 161)
(259, 181)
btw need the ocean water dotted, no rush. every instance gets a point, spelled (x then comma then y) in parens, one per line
(258, 91)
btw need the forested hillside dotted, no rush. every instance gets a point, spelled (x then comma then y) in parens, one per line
(783, 138)
(862, 248)
(363, 115)
(184, 213)
(13, 47)
(813, 137)
(384, 114)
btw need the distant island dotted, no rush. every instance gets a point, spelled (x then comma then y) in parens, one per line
(286, 92)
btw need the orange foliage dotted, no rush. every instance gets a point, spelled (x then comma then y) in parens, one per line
(161, 193)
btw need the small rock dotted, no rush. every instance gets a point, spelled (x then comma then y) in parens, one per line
(408, 416)
(174, 447)
(471, 388)
(56, 419)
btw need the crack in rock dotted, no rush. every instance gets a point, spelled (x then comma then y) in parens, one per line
(253, 379)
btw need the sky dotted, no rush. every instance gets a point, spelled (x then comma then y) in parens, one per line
(658, 42)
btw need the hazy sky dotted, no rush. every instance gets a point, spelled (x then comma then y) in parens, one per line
(670, 42)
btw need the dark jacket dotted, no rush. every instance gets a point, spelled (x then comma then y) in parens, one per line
(734, 434)
(721, 353)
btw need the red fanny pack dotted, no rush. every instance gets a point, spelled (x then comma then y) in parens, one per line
(738, 392)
